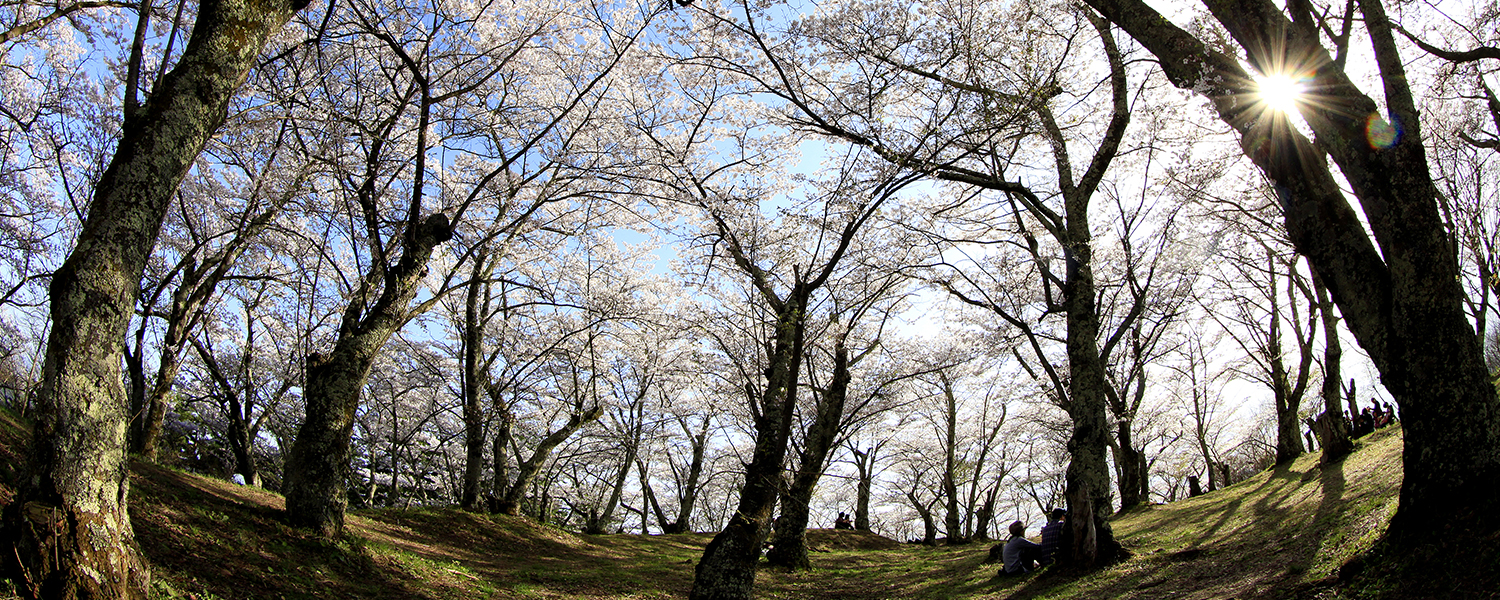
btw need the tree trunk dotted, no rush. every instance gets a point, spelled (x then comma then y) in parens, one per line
(1129, 462)
(1403, 301)
(137, 392)
(1331, 428)
(1287, 400)
(952, 518)
(317, 467)
(985, 514)
(472, 389)
(789, 546)
(600, 524)
(1087, 478)
(864, 463)
(688, 495)
(727, 569)
(500, 452)
(1288, 427)
(510, 503)
(68, 527)
(1088, 474)
(929, 522)
(199, 281)
(241, 441)
(649, 501)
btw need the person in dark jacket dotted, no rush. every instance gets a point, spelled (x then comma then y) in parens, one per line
(1052, 534)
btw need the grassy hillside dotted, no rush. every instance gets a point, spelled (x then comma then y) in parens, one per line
(1280, 534)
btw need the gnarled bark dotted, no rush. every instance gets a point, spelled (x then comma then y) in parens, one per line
(727, 569)
(317, 468)
(68, 529)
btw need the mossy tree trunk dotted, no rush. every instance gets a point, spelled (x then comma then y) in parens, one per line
(68, 529)
(317, 468)
(316, 483)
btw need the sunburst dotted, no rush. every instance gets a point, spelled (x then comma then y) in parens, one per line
(1280, 92)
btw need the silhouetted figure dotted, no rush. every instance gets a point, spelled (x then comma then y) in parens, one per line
(1390, 412)
(1364, 423)
(1194, 488)
(843, 522)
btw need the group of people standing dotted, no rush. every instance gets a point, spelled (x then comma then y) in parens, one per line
(1021, 555)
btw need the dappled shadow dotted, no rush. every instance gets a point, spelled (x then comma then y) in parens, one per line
(904, 571)
(1270, 536)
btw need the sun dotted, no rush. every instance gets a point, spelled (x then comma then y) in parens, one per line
(1280, 92)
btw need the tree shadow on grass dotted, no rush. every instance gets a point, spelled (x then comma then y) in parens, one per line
(522, 555)
(1267, 537)
(205, 539)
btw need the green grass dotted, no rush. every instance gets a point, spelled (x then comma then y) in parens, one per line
(1284, 533)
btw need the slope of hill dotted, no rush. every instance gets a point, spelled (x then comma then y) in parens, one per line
(1281, 534)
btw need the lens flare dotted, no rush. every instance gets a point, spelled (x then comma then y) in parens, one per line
(1280, 92)
(1381, 134)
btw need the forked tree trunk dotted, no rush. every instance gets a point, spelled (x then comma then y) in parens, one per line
(985, 514)
(789, 546)
(1286, 394)
(1331, 428)
(727, 570)
(317, 468)
(510, 502)
(929, 521)
(199, 282)
(687, 497)
(600, 523)
(864, 463)
(68, 528)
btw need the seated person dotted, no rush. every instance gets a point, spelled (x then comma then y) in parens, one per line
(1020, 554)
(843, 522)
(1052, 534)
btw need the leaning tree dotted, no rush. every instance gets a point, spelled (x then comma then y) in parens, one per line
(68, 528)
(1392, 270)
